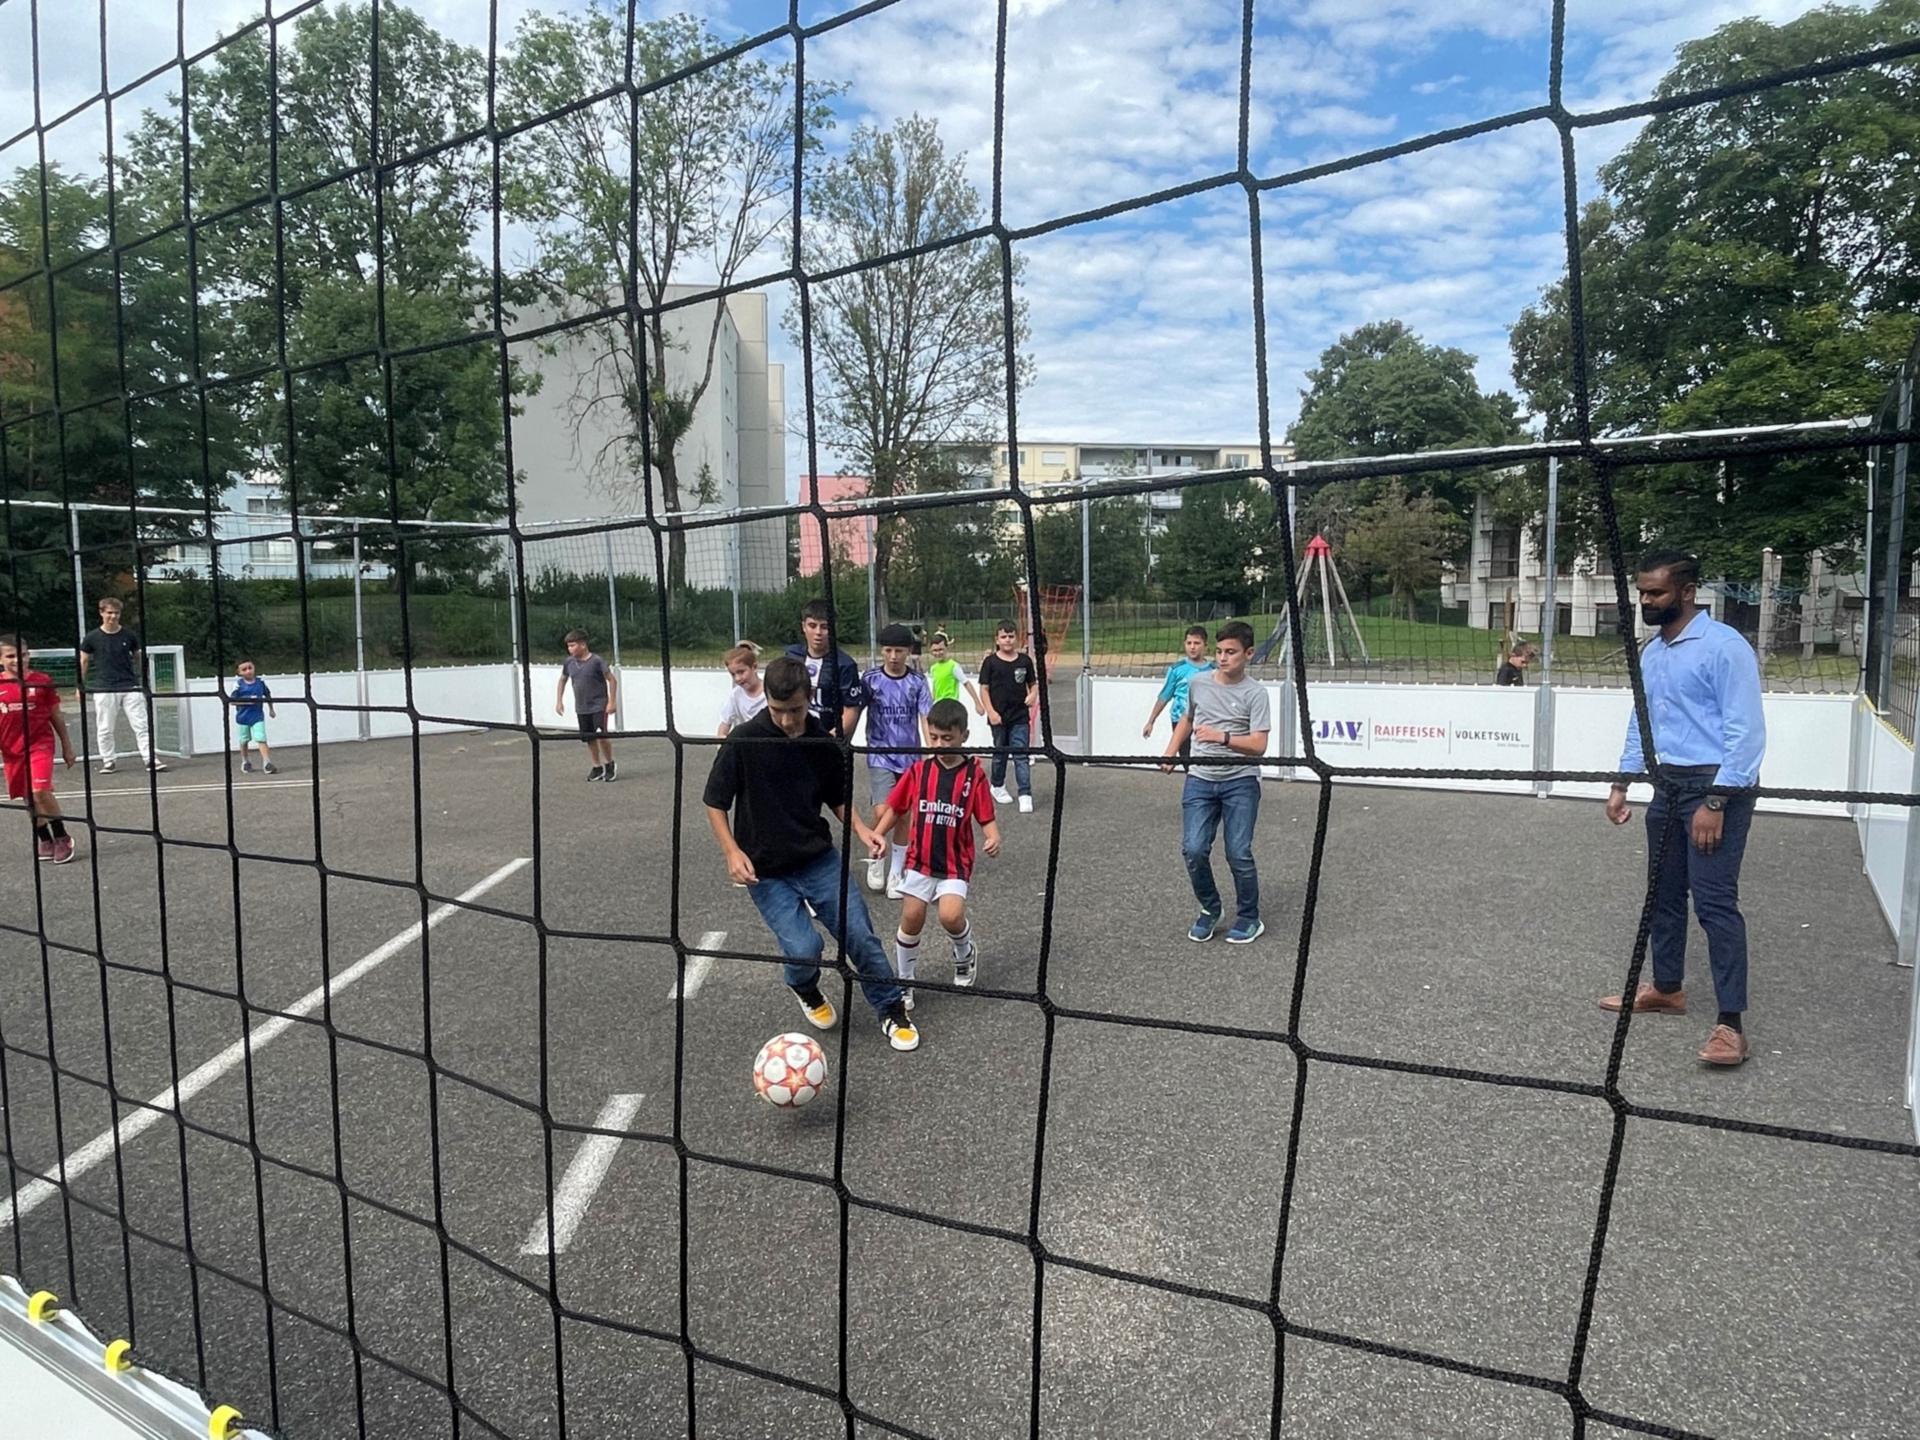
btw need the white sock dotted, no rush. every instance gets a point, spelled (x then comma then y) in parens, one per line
(906, 954)
(899, 861)
(962, 942)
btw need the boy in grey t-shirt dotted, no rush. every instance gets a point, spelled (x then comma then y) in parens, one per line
(1228, 720)
(596, 696)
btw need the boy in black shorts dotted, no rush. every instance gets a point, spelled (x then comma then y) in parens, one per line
(596, 697)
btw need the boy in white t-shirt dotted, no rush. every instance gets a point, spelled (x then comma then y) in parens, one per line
(748, 697)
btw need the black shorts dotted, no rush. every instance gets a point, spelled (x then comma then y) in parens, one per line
(594, 725)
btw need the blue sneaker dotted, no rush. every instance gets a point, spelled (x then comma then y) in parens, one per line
(1203, 928)
(1245, 933)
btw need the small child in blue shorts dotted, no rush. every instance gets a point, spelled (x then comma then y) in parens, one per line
(250, 692)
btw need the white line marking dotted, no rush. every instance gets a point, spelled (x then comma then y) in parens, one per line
(584, 1174)
(31, 1196)
(698, 964)
(239, 786)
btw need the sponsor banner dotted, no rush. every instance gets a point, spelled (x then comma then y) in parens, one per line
(1464, 728)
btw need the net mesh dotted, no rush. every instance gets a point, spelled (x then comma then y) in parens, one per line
(172, 377)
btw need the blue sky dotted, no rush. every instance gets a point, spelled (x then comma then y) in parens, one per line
(1142, 325)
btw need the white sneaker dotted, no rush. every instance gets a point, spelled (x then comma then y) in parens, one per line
(107, 767)
(896, 886)
(1003, 795)
(876, 874)
(1026, 804)
(965, 972)
(156, 764)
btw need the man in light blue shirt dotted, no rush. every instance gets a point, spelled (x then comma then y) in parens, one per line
(1709, 735)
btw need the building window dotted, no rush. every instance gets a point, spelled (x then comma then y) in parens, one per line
(265, 514)
(1503, 553)
(1606, 619)
(1236, 462)
(1053, 457)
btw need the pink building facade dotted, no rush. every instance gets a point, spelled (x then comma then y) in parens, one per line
(849, 536)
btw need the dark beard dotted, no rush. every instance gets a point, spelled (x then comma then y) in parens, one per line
(1653, 615)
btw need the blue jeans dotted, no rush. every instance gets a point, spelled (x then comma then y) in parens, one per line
(782, 901)
(1204, 806)
(1012, 735)
(1713, 880)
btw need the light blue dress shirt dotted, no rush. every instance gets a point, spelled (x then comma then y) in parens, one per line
(1703, 696)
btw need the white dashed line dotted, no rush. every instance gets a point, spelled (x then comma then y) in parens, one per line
(698, 964)
(31, 1196)
(588, 1168)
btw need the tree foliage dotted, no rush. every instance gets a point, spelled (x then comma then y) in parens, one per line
(1405, 540)
(367, 262)
(1117, 531)
(1219, 544)
(1751, 260)
(629, 198)
(911, 355)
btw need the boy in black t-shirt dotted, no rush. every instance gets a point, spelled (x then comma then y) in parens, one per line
(1007, 678)
(111, 659)
(1513, 670)
(774, 773)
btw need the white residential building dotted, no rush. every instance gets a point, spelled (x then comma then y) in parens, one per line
(737, 440)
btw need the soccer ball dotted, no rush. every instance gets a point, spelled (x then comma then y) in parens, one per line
(789, 1070)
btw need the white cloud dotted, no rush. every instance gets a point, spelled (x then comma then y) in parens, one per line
(1338, 120)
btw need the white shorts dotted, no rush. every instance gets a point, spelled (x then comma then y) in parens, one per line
(925, 887)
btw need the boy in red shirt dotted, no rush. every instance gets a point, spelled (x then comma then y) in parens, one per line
(30, 718)
(939, 799)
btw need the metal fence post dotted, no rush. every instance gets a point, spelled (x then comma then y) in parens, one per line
(613, 602)
(733, 576)
(359, 648)
(513, 625)
(1549, 623)
(1083, 693)
(79, 580)
(1896, 542)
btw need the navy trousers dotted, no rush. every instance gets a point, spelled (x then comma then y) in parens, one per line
(1714, 883)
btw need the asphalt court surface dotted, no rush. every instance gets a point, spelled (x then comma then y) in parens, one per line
(1751, 1286)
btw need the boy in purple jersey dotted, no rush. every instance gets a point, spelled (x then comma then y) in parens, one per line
(898, 699)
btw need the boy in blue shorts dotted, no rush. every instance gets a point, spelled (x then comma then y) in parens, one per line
(1179, 677)
(250, 694)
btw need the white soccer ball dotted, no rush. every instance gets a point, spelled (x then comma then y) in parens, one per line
(789, 1070)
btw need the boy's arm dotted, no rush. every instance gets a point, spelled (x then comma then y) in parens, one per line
(739, 867)
(874, 844)
(990, 838)
(1182, 730)
(613, 691)
(59, 719)
(560, 695)
(979, 705)
(884, 820)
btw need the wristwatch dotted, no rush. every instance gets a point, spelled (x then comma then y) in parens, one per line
(1715, 803)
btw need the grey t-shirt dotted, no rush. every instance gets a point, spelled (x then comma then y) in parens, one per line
(1236, 709)
(589, 677)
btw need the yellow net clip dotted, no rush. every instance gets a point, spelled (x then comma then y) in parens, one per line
(119, 1357)
(43, 1306)
(224, 1423)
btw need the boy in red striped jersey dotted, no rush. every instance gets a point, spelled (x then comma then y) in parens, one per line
(938, 801)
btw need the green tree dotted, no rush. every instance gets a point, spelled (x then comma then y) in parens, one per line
(628, 200)
(1750, 260)
(911, 355)
(1219, 544)
(1382, 390)
(1405, 540)
(380, 254)
(1117, 532)
(947, 555)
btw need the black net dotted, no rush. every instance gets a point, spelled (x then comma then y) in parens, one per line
(260, 284)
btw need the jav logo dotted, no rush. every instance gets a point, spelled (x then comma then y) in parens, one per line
(1340, 732)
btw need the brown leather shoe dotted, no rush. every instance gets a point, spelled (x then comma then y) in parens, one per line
(1725, 1046)
(1649, 1001)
